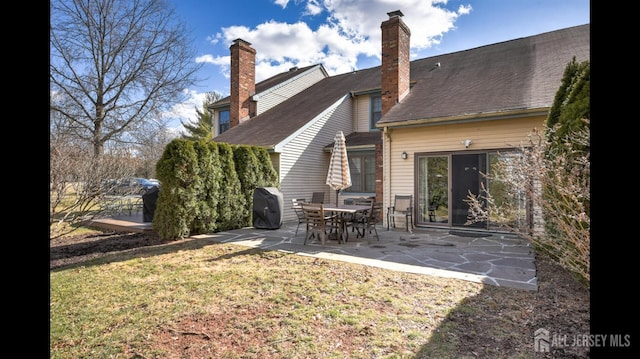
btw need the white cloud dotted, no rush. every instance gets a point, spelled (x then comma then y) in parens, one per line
(222, 62)
(428, 20)
(351, 30)
(463, 10)
(313, 8)
(218, 60)
(282, 3)
(184, 111)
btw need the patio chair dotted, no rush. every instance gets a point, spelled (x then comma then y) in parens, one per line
(316, 221)
(434, 203)
(352, 219)
(297, 208)
(402, 207)
(317, 197)
(367, 223)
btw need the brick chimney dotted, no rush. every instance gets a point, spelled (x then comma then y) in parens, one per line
(395, 60)
(243, 82)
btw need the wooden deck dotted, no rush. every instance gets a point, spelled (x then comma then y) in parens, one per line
(123, 223)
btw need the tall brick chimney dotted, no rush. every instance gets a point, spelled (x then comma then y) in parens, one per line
(243, 82)
(395, 60)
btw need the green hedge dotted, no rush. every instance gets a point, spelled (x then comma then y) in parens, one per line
(208, 186)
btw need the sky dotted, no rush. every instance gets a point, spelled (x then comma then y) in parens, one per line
(344, 35)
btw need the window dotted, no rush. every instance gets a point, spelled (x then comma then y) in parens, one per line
(363, 172)
(375, 111)
(223, 121)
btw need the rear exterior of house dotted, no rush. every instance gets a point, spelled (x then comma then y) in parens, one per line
(465, 112)
(429, 127)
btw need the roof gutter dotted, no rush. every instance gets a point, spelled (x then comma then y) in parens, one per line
(466, 118)
(220, 104)
(352, 148)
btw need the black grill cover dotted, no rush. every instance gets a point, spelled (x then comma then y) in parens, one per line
(267, 208)
(149, 200)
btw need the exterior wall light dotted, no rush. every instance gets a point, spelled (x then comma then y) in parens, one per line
(404, 155)
(466, 143)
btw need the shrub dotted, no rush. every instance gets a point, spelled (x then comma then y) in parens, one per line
(177, 200)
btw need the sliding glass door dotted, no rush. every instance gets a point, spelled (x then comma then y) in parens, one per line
(433, 190)
(444, 182)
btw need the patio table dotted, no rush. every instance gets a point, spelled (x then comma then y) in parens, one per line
(342, 210)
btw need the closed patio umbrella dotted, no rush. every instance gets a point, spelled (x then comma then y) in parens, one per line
(339, 176)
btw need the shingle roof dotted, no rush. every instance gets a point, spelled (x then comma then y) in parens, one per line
(515, 75)
(269, 83)
(273, 126)
(519, 74)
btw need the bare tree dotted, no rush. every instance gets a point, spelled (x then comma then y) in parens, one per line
(150, 141)
(117, 64)
(77, 178)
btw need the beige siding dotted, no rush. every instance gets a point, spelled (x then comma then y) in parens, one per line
(286, 90)
(487, 135)
(303, 161)
(484, 135)
(216, 122)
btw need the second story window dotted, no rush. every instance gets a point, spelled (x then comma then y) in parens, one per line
(223, 121)
(375, 111)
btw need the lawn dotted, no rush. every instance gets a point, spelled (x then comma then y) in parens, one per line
(198, 299)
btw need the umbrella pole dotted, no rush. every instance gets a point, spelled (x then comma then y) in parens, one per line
(337, 197)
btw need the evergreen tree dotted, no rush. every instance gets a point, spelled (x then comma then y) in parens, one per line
(247, 168)
(570, 111)
(177, 202)
(232, 206)
(268, 175)
(209, 174)
(203, 127)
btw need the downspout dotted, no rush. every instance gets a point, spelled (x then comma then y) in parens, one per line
(354, 124)
(386, 185)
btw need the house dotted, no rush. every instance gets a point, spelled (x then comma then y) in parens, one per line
(428, 127)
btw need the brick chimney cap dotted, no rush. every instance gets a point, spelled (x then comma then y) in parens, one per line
(395, 13)
(240, 40)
